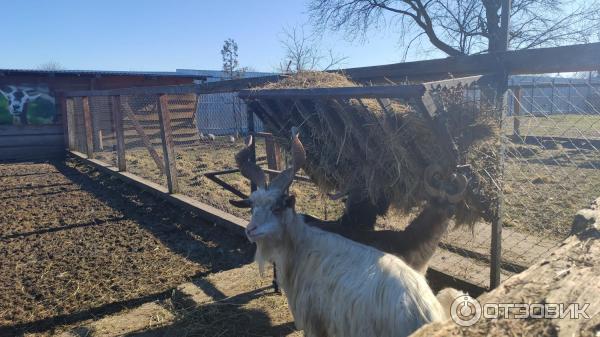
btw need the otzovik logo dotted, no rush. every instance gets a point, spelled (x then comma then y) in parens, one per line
(466, 311)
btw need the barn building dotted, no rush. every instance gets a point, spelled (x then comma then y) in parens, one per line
(30, 119)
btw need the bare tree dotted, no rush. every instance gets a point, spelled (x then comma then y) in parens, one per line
(50, 65)
(303, 53)
(231, 66)
(460, 27)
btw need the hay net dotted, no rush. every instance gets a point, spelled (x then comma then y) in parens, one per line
(382, 147)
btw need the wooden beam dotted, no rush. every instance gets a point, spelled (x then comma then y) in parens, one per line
(583, 57)
(72, 125)
(273, 154)
(207, 88)
(396, 91)
(87, 124)
(62, 105)
(251, 132)
(164, 119)
(117, 119)
(145, 139)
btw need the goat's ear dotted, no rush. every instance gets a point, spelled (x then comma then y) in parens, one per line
(244, 203)
(289, 201)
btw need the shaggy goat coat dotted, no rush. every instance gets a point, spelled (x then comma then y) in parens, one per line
(339, 288)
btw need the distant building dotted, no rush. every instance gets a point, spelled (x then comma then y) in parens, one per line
(219, 75)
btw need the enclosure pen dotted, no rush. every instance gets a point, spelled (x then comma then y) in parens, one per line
(547, 137)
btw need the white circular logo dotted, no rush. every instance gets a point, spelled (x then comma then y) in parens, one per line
(465, 310)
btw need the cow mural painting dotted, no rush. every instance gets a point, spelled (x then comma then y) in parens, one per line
(22, 105)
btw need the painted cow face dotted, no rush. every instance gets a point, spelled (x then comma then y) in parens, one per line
(18, 97)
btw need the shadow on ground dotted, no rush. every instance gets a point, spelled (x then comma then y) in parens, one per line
(184, 233)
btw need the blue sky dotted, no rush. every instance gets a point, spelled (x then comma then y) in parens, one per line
(165, 35)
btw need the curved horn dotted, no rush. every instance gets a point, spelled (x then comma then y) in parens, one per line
(285, 178)
(430, 171)
(248, 168)
(461, 183)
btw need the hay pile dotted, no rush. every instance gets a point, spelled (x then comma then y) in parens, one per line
(383, 146)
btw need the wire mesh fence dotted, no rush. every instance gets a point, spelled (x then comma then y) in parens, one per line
(551, 161)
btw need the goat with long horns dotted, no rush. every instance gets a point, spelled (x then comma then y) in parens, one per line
(331, 282)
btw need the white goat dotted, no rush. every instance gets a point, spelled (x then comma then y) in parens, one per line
(334, 286)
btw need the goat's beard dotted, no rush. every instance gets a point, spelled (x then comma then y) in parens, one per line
(266, 252)
(261, 259)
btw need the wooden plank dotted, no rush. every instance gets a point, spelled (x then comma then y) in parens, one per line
(32, 140)
(251, 132)
(582, 57)
(23, 130)
(273, 155)
(167, 142)
(32, 152)
(62, 107)
(117, 118)
(207, 212)
(87, 124)
(145, 140)
(396, 91)
(71, 126)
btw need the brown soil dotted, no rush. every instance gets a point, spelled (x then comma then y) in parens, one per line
(75, 244)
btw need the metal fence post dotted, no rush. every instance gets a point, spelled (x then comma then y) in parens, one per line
(87, 123)
(552, 97)
(569, 103)
(532, 97)
(117, 119)
(516, 113)
(164, 120)
(502, 87)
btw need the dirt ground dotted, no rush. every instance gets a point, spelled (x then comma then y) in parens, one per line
(76, 244)
(194, 161)
(546, 185)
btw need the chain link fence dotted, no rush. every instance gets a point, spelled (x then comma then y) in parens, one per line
(552, 162)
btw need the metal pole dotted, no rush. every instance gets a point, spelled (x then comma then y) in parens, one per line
(496, 242)
(532, 93)
(552, 97)
(569, 98)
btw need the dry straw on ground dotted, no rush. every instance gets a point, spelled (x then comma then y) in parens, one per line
(383, 146)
